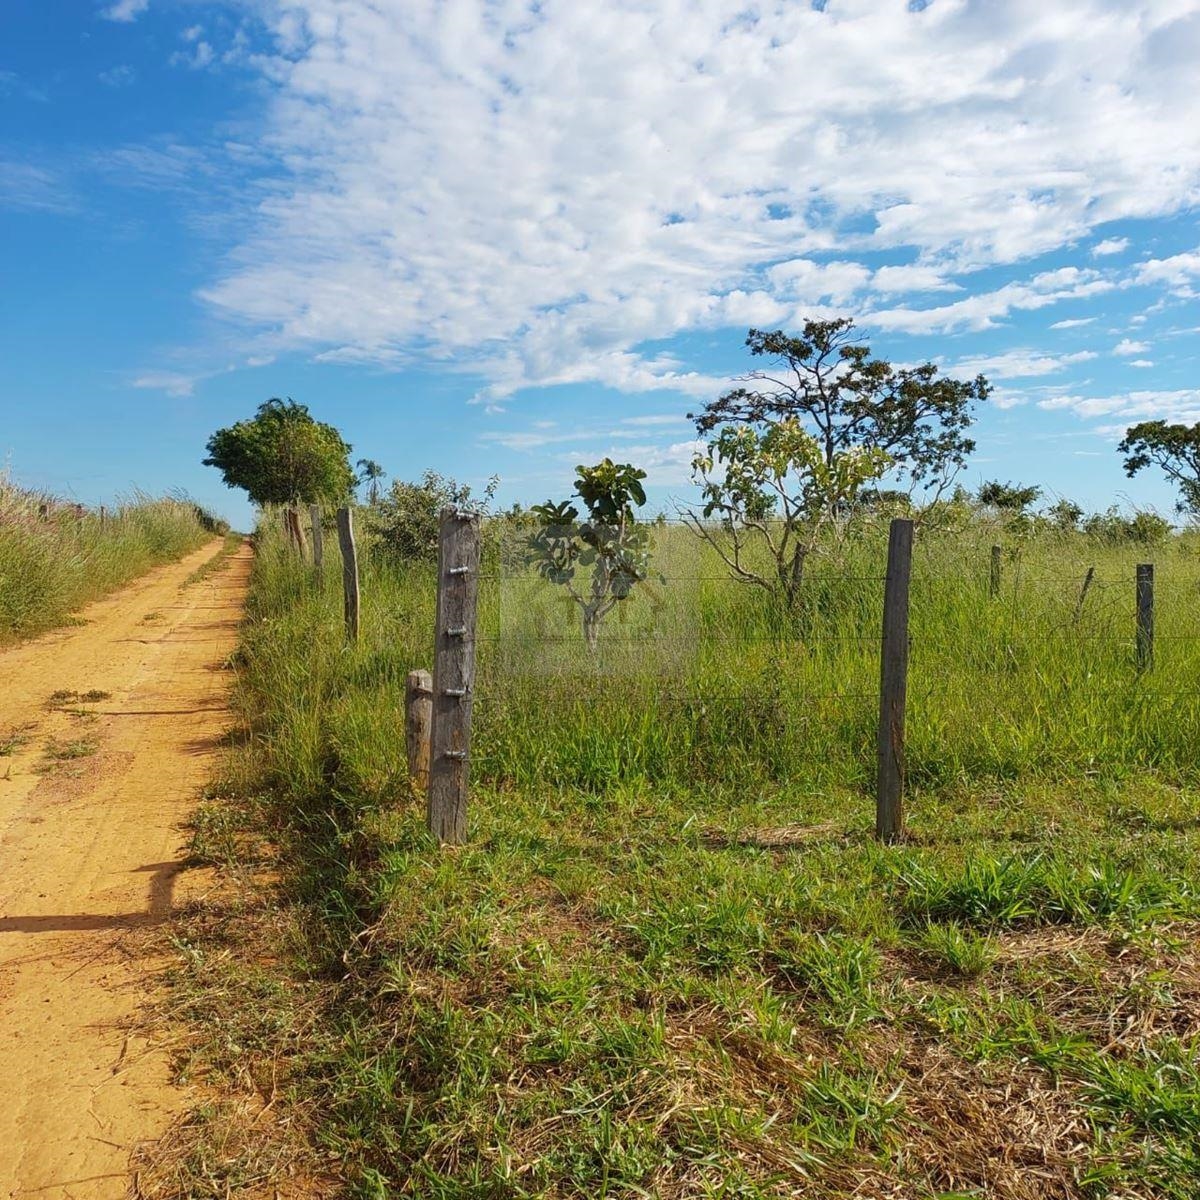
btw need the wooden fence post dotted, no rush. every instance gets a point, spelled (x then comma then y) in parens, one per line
(893, 684)
(295, 530)
(318, 535)
(1145, 616)
(43, 512)
(103, 517)
(345, 528)
(994, 578)
(1083, 591)
(418, 719)
(453, 674)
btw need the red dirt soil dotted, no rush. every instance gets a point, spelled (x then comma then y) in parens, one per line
(93, 793)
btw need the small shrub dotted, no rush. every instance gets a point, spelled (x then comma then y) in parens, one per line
(1112, 528)
(963, 951)
(404, 523)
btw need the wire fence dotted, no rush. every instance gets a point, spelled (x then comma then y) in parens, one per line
(1062, 655)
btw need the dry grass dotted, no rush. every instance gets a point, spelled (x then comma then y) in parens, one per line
(56, 556)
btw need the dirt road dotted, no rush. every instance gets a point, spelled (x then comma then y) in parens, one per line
(93, 788)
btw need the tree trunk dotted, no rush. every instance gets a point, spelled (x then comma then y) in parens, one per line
(591, 628)
(795, 576)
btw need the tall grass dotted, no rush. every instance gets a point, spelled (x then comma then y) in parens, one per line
(55, 557)
(701, 679)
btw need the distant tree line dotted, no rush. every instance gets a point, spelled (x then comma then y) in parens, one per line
(788, 458)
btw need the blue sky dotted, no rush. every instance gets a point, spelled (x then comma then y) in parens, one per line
(505, 236)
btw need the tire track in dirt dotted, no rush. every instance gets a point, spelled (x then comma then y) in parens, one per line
(92, 795)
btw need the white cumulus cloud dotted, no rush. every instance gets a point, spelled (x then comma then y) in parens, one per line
(1175, 271)
(528, 191)
(1018, 364)
(125, 10)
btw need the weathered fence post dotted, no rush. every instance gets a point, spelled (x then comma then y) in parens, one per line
(893, 684)
(291, 520)
(43, 512)
(345, 528)
(418, 719)
(994, 577)
(1145, 616)
(318, 535)
(1083, 591)
(103, 517)
(453, 674)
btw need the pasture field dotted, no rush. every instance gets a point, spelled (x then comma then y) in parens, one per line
(672, 961)
(54, 558)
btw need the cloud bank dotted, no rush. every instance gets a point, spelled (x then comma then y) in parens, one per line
(531, 191)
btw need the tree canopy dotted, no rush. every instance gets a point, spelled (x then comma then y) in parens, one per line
(370, 473)
(1012, 497)
(849, 399)
(283, 456)
(610, 541)
(773, 486)
(1174, 449)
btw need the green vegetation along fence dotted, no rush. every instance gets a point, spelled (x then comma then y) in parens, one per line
(1056, 654)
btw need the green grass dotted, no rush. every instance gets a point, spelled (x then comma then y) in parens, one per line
(50, 566)
(57, 751)
(12, 740)
(671, 960)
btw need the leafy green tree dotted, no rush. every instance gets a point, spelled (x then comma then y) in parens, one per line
(283, 456)
(846, 399)
(1112, 527)
(610, 541)
(775, 489)
(370, 473)
(1174, 449)
(887, 500)
(405, 522)
(1064, 515)
(1011, 497)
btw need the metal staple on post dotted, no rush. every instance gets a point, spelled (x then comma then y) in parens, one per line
(1145, 616)
(345, 528)
(893, 684)
(453, 674)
